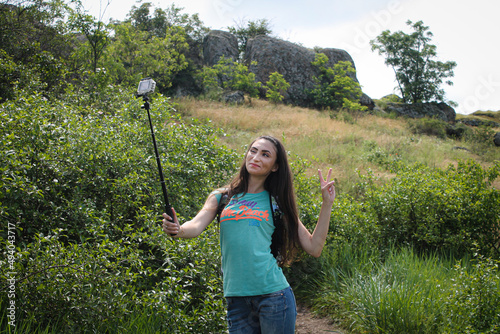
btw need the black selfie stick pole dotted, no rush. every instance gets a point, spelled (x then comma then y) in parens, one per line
(168, 208)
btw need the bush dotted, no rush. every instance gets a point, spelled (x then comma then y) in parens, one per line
(80, 189)
(481, 137)
(102, 285)
(473, 305)
(228, 75)
(275, 87)
(434, 209)
(428, 126)
(335, 87)
(63, 165)
(399, 295)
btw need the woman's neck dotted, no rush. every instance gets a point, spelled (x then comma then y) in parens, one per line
(256, 185)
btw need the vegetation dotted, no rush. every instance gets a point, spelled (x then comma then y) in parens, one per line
(414, 234)
(228, 75)
(275, 87)
(411, 56)
(246, 30)
(335, 87)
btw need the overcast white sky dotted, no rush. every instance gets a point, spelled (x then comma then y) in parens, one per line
(464, 31)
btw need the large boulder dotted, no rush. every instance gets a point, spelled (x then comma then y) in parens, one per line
(289, 59)
(496, 139)
(233, 97)
(293, 62)
(441, 110)
(478, 122)
(218, 43)
(336, 55)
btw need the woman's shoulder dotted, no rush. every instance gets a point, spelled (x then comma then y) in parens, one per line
(220, 191)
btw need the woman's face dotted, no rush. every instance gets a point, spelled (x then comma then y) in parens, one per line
(261, 158)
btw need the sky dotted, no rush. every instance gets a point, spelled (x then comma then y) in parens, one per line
(464, 31)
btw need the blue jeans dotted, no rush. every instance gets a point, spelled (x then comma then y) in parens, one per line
(265, 314)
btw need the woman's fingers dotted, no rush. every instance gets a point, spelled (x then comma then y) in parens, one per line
(321, 179)
(170, 225)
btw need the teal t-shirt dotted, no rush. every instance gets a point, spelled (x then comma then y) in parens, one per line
(246, 227)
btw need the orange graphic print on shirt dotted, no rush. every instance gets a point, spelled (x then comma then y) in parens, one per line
(242, 209)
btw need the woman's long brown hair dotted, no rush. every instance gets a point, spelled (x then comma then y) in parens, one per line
(285, 239)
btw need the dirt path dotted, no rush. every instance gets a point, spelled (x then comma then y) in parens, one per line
(307, 323)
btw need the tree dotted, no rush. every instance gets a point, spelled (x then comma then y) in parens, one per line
(411, 57)
(156, 24)
(29, 27)
(228, 75)
(160, 21)
(335, 88)
(244, 31)
(33, 47)
(96, 33)
(135, 54)
(275, 86)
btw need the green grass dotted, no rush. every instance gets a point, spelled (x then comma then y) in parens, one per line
(326, 142)
(403, 293)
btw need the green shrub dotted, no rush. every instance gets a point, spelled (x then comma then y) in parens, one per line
(335, 87)
(228, 74)
(352, 243)
(428, 126)
(275, 87)
(80, 188)
(473, 305)
(434, 209)
(458, 131)
(62, 164)
(102, 285)
(380, 156)
(400, 295)
(481, 138)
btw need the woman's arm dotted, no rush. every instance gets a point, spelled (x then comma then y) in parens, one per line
(313, 243)
(194, 227)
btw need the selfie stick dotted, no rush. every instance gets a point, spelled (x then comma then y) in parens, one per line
(145, 98)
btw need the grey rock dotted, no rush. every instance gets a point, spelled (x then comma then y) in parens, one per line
(441, 110)
(294, 63)
(289, 59)
(236, 97)
(219, 43)
(367, 101)
(496, 139)
(478, 122)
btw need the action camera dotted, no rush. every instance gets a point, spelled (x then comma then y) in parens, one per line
(146, 86)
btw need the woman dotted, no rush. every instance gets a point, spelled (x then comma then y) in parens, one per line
(259, 299)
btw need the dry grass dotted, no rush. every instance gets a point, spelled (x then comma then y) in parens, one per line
(313, 135)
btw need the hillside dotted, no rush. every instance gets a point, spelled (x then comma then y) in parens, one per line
(347, 143)
(81, 200)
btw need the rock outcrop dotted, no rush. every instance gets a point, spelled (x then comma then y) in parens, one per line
(236, 97)
(265, 55)
(219, 43)
(336, 55)
(293, 62)
(496, 139)
(441, 110)
(289, 59)
(478, 122)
